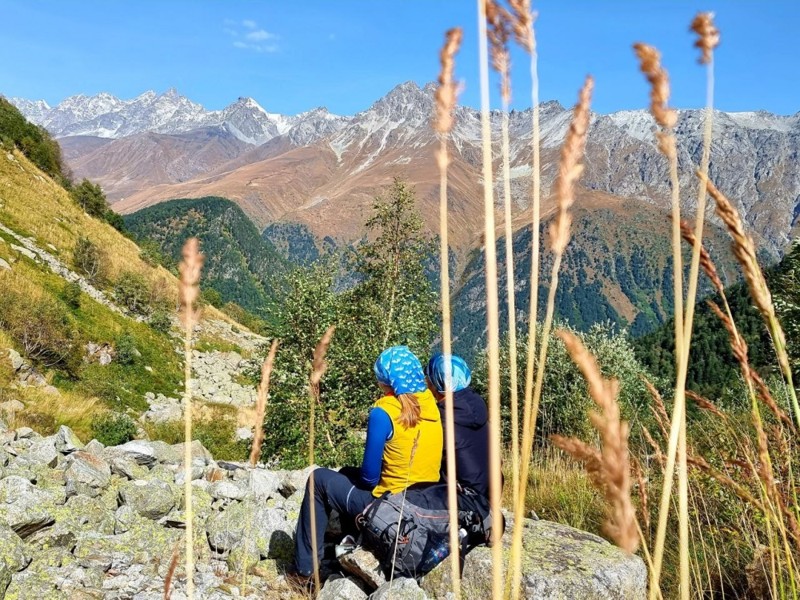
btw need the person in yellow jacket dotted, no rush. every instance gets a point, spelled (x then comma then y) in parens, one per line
(403, 447)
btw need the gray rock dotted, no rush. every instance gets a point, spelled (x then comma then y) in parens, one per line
(123, 464)
(66, 440)
(558, 562)
(152, 499)
(24, 507)
(16, 359)
(226, 490)
(12, 550)
(4, 265)
(5, 577)
(243, 433)
(24, 433)
(268, 527)
(401, 588)
(263, 484)
(341, 589)
(40, 452)
(86, 474)
(94, 447)
(149, 453)
(200, 456)
(124, 518)
(363, 564)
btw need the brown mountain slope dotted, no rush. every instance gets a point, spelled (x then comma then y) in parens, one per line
(130, 164)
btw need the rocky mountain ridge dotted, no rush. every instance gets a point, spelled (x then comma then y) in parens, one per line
(322, 170)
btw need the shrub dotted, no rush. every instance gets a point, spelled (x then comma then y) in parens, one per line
(133, 293)
(71, 294)
(126, 349)
(212, 297)
(113, 428)
(43, 329)
(89, 259)
(160, 320)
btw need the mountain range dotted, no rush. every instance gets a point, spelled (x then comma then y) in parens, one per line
(323, 171)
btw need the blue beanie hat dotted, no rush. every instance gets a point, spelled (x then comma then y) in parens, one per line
(401, 370)
(461, 375)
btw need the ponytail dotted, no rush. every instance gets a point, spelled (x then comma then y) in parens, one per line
(409, 410)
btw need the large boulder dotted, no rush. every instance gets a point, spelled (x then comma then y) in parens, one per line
(341, 589)
(24, 507)
(12, 550)
(150, 498)
(66, 440)
(401, 588)
(268, 527)
(86, 474)
(557, 562)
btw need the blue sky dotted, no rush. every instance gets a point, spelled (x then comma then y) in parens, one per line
(344, 54)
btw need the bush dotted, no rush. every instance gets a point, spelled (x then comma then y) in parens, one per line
(88, 259)
(160, 320)
(133, 292)
(71, 294)
(43, 329)
(113, 429)
(212, 297)
(126, 349)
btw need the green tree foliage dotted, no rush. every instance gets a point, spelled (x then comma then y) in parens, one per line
(89, 260)
(33, 141)
(90, 198)
(389, 266)
(239, 264)
(713, 369)
(565, 400)
(132, 292)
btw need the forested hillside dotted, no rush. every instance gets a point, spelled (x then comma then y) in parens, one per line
(240, 265)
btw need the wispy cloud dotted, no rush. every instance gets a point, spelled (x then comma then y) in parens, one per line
(247, 35)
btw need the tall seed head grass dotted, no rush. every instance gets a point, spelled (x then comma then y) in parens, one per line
(499, 23)
(189, 289)
(261, 403)
(570, 168)
(707, 35)
(447, 92)
(610, 468)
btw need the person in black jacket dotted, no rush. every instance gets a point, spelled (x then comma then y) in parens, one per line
(471, 420)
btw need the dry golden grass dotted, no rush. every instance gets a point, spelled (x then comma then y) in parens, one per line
(609, 469)
(189, 292)
(261, 404)
(318, 368)
(446, 95)
(492, 317)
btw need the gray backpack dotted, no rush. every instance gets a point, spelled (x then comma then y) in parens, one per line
(422, 516)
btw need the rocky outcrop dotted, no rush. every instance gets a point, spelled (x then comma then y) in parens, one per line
(85, 521)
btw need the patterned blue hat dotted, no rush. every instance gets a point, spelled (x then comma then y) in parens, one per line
(461, 375)
(401, 370)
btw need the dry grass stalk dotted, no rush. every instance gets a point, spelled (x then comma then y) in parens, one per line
(445, 102)
(188, 293)
(657, 453)
(522, 26)
(173, 564)
(650, 65)
(708, 266)
(610, 468)
(261, 404)
(705, 404)
(658, 408)
(569, 171)
(641, 484)
(708, 36)
(499, 32)
(318, 368)
(492, 318)
(570, 168)
(745, 252)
